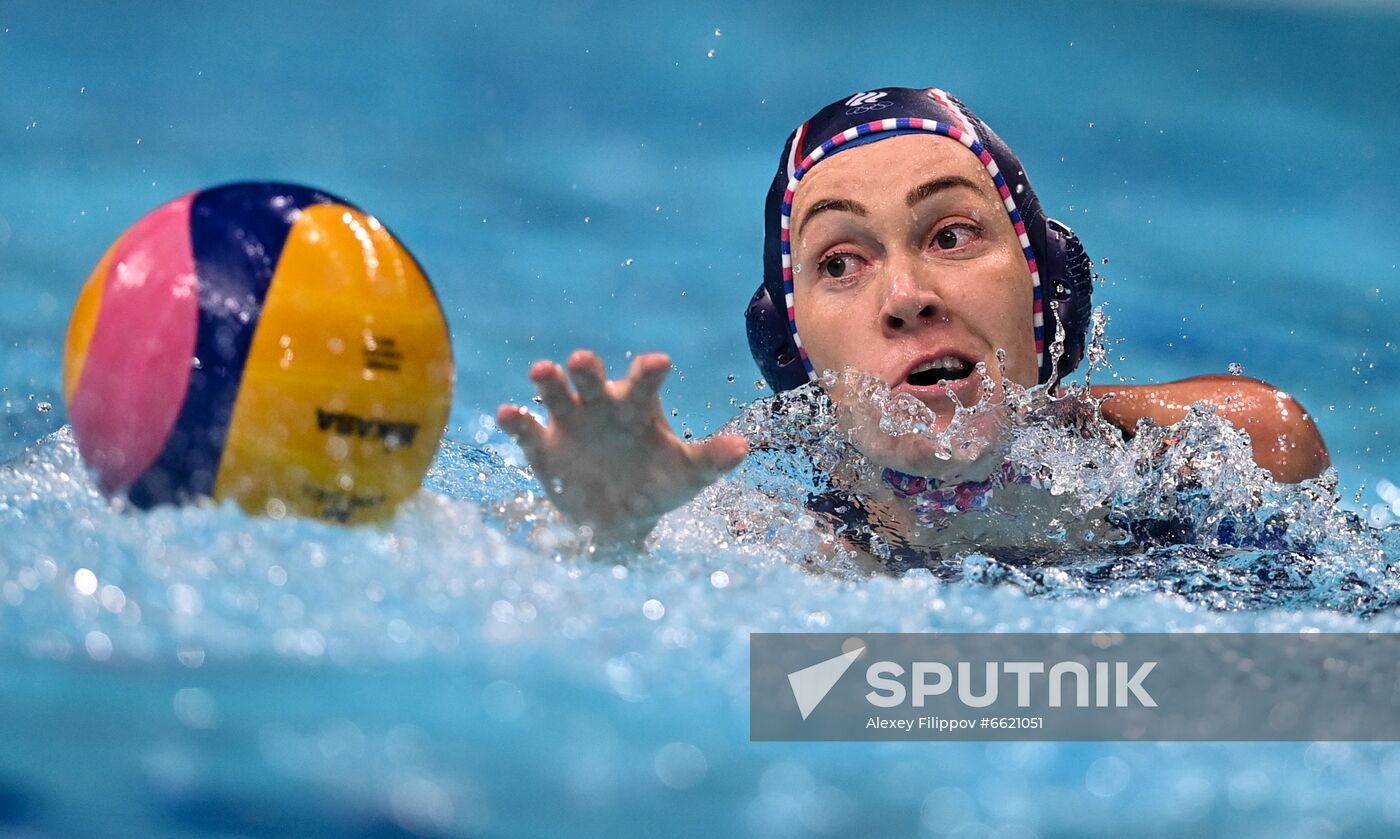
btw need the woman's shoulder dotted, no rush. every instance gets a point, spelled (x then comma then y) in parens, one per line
(1284, 438)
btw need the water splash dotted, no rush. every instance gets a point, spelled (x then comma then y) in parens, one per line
(479, 564)
(1181, 509)
(385, 675)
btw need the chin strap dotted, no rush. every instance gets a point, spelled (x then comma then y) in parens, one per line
(934, 501)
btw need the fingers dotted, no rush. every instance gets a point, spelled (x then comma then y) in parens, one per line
(588, 374)
(589, 378)
(648, 371)
(554, 389)
(721, 453)
(520, 424)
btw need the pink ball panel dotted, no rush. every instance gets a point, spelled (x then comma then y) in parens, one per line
(138, 363)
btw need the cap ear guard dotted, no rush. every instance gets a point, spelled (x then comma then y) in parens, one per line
(770, 342)
(1067, 278)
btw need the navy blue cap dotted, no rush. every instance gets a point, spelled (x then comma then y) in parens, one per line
(1060, 271)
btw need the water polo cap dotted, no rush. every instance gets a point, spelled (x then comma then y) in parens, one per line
(1060, 271)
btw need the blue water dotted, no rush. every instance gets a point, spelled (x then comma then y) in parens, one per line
(592, 176)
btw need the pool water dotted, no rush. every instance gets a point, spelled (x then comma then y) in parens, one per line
(593, 177)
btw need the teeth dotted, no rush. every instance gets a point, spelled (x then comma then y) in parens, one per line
(947, 362)
(946, 368)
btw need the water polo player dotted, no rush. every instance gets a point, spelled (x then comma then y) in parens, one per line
(903, 242)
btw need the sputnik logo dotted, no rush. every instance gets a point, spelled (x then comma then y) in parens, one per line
(810, 685)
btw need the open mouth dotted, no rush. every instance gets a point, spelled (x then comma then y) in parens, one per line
(946, 369)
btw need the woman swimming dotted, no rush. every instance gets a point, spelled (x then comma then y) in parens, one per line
(903, 236)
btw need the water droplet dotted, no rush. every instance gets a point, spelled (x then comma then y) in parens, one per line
(85, 582)
(1235, 368)
(98, 645)
(680, 765)
(113, 599)
(654, 610)
(759, 384)
(44, 407)
(195, 708)
(731, 377)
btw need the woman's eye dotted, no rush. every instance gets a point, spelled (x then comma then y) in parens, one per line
(839, 265)
(954, 236)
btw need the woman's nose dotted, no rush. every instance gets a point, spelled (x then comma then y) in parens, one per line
(908, 302)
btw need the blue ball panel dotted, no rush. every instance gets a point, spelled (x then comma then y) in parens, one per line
(237, 233)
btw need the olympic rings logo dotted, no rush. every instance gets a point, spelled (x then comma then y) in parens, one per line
(864, 103)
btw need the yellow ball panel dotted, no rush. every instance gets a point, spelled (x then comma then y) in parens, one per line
(348, 383)
(82, 324)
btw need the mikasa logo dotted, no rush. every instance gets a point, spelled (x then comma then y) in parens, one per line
(865, 102)
(394, 434)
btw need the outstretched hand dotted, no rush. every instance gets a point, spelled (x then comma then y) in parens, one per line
(608, 458)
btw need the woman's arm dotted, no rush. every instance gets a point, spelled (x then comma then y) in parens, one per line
(1285, 440)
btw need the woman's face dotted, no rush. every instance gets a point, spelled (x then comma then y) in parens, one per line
(906, 267)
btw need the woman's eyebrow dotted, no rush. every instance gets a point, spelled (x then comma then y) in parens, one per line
(917, 194)
(925, 190)
(841, 204)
